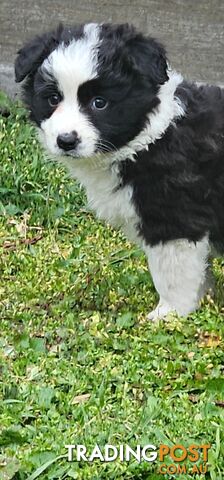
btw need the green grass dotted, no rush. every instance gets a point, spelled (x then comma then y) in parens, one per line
(74, 295)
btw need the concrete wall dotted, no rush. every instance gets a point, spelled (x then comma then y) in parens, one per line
(192, 30)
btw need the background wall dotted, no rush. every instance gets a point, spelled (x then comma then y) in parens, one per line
(192, 30)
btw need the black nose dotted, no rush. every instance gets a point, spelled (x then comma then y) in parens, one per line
(68, 141)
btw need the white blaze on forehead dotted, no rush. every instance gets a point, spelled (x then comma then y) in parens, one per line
(72, 65)
(75, 63)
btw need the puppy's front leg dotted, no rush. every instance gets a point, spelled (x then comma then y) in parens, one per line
(178, 269)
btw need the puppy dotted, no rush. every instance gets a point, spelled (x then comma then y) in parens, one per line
(147, 145)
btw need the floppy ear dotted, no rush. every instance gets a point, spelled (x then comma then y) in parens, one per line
(33, 53)
(29, 58)
(149, 58)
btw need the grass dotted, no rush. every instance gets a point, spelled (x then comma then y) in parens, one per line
(79, 362)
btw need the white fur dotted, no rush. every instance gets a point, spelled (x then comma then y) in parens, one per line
(71, 66)
(100, 173)
(178, 269)
(100, 179)
(74, 64)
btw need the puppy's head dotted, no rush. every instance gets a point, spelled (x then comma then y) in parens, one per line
(90, 88)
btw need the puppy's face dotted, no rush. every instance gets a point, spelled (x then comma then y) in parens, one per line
(90, 88)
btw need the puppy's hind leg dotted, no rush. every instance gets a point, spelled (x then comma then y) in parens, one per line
(178, 269)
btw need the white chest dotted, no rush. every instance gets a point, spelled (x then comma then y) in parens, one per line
(110, 203)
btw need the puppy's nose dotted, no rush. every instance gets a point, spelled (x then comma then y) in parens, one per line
(68, 141)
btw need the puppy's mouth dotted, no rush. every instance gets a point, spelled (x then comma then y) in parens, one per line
(98, 150)
(71, 153)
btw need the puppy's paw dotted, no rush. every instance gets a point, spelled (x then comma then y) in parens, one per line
(160, 312)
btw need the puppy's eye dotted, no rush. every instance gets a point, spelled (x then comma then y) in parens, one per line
(54, 100)
(99, 103)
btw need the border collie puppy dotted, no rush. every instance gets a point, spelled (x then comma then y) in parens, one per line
(147, 145)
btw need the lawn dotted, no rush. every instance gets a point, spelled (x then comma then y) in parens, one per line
(79, 362)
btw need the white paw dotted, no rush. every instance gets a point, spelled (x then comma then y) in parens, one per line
(160, 312)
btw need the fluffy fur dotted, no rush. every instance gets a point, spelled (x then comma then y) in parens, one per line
(147, 146)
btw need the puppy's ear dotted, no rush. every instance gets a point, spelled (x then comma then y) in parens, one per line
(29, 58)
(149, 58)
(33, 53)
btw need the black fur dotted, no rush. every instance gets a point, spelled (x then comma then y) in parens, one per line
(131, 69)
(178, 183)
(27, 64)
(32, 55)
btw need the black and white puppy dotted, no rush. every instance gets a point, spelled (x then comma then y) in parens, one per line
(147, 146)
